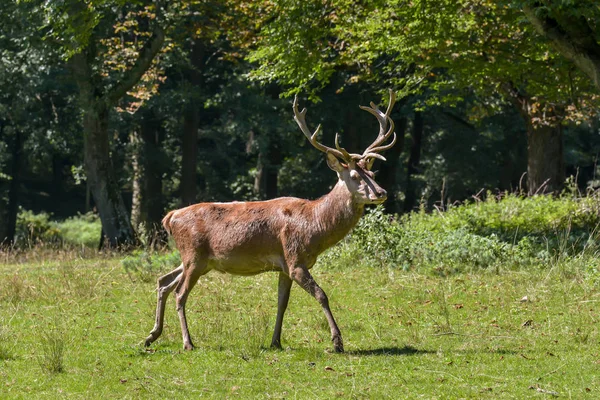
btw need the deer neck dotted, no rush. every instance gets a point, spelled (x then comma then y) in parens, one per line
(337, 213)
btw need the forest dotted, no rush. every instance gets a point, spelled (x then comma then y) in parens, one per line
(119, 111)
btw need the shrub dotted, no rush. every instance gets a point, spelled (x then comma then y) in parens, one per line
(510, 231)
(35, 228)
(80, 230)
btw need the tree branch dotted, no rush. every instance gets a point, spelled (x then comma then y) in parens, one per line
(459, 120)
(574, 39)
(141, 65)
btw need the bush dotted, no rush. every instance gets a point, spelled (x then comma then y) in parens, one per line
(81, 230)
(35, 228)
(510, 231)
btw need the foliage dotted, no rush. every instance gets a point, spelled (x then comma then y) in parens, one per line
(81, 230)
(475, 45)
(508, 231)
(35, 228)
(449, 56)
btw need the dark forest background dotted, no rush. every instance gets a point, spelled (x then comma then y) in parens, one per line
(129, 109)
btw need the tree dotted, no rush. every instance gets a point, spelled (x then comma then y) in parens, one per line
(148, 164)
(450, 48)
(24, 114)
(83, 32)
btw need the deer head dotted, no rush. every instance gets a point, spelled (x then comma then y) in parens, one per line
(354, 170)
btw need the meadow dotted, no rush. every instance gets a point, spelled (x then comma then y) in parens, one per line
(424, 312)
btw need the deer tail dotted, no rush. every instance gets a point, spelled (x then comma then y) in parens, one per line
(166, 221)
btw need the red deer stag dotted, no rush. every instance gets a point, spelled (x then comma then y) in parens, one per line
(284, 235)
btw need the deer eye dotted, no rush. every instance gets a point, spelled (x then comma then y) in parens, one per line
(354, 175)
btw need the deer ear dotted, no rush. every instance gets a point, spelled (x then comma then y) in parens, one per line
(334, 163)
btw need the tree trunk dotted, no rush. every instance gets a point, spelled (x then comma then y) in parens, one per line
(267, 171)
(413, 161)
(189, 156)
(152, 208)
(103, 184)
(96, 101)
(191, 124)
(137, 179)
(7, 232)
(147, 200)
(545, 156)
(259, 178)
(388, 170)
(545, 160)
(272, 171)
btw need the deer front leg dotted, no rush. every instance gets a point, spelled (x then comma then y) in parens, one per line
(166, 284)
(283, 296)
(301, 276)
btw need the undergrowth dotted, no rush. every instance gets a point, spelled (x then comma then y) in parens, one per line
(40, 229)
(508, 231)
(146, 266)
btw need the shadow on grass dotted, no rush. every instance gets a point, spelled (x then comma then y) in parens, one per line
(141, 351)
(389, 351)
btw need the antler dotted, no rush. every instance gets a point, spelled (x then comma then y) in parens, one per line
(339, 152)
(372, 151)
(376, 147)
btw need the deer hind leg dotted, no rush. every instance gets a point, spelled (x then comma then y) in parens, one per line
(301, 276)
(283, 296)
(192, 271)
(166, 284)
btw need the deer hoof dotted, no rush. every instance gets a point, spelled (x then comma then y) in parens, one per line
(188, 347)
(276, 345)
(338, 345)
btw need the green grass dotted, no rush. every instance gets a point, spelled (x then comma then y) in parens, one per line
(72, 327)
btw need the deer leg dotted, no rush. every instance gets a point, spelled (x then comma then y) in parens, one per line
(166, 283)
(192, 271)
(283, 296)
(301, 276)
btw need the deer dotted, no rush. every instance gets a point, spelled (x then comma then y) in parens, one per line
(284, 235)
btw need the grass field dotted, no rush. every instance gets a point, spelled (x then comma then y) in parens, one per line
(72, 327)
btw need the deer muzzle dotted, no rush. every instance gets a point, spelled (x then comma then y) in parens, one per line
(379, 195)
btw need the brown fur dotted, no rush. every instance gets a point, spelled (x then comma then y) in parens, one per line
(249, 238)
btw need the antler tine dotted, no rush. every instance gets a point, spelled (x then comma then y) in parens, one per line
(350, 156)
(299, 117)
(373, 152)
(384, 133)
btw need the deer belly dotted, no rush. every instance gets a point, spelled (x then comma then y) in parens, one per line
(247, 265)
